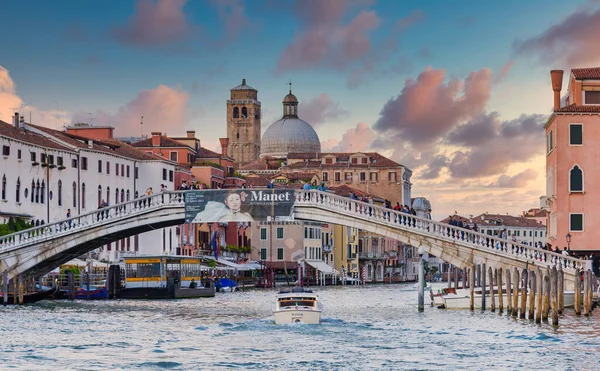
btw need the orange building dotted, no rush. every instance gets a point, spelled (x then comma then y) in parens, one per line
(572, 152)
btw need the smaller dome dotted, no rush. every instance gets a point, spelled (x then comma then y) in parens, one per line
(290, 98)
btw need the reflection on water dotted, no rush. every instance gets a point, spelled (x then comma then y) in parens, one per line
(373, 327)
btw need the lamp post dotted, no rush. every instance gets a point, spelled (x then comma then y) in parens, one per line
(569, 242)
(421, 280)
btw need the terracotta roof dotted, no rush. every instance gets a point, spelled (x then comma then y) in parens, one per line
(586, 73)
(344, 191)
(505, 220)
(130, 151)
(375, 159)
(536, 213)
(26, 136)
(263, 163)
(305, 177)
(258, 181)
(456, 216)
(164, 142)
(575, 108)
(207, 153)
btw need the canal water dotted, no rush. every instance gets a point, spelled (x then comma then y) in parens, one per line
(364, 328)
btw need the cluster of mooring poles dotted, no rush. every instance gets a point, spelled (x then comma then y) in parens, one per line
(16, 287)
(535, 294)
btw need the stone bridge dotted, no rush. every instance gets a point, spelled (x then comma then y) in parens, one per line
(38, 250)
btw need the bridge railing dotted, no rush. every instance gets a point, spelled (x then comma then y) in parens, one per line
(463, 236)
(95, 217)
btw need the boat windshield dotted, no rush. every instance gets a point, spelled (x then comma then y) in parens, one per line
(296, 303)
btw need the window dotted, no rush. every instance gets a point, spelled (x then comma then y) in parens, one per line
(325, 176)
(107, 167)
(50, 159)
(122, 170)
(128, 171)
(99, 166)
(123, 195)
(59, 161)
(354, 161)
(329, 161)
(280, 253)
(536, 232)
(164, 174)
(576, 134)
(392, 176)
(37, 192)
(117, 169)
(592, 97)
(107, 194)
(19, 154)
(373, 177)
(363, 176)
(576, 179)
(60, 191)
(244, 112)
(236, 113)
(32, 155)
(279, 233)
(305, 232)
(549, 143)
(337, 176)
(99, 195)
(116, 196)
(74, 195)
(263, 254)
(18, 198)
(32, 191)
(4, 187)
(83, 196)
(6, 150)
(43, 158)
(74, 163)
(576, 222)
(364, 160)
(263, 234)
(348, 177)
(170, 175)
(135, 172)
(84, 163)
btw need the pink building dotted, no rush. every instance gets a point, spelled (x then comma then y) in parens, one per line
(572, 153)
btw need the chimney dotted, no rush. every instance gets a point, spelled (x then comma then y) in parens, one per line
(90, 143)
(557, 77)
(16, 120)
(224, 144)
(156, 138)
(191, 133)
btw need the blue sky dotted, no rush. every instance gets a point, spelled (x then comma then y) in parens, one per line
(66, 59)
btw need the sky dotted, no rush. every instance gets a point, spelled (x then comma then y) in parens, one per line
(456, 91)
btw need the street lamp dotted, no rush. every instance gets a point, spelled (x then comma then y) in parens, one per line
(568, 241)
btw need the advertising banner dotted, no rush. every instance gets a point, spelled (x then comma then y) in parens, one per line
(238, 205)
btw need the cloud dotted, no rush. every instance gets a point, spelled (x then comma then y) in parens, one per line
(165, 109)
(10, 103)
(154, 23)
(320, 110)
(428, 108)
(504, 72)
(570, 43)
(516, 181)
(235, 21)
(357, 139)
(434, 167)
(416, 16)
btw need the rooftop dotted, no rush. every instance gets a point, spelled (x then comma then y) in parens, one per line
(586, 73)
(243, 86)
(25, 136)
(575, 108)
(165, 142)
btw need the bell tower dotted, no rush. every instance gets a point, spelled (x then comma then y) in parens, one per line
(243, 123)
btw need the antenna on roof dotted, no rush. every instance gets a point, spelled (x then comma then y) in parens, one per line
(290, 84)
(142, 127)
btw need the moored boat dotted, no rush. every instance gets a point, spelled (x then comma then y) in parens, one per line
(298, 306)
(31, 297)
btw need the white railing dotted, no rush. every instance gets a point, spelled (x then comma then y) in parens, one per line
(461, 236)
(93, 218)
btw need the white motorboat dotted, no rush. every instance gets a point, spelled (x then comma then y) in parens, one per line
(297, 306)
(460, 299)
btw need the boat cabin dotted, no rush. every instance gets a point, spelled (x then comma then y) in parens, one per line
(155, 271)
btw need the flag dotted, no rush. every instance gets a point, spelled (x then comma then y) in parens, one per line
(214, 244)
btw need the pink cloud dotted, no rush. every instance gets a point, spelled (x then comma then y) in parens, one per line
(359, 138)
(155, 23)
(320, 110)
(516, 181)
(570, 43)
(427, 108)
(165, 109)
(504, 71)
(235, 21)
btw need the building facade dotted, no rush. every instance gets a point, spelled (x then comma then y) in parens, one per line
(572, 152)
(243, 123)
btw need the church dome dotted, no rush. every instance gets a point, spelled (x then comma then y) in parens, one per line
(289, 134)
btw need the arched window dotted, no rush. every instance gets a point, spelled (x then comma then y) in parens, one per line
(99, 195)
(122, 195)
(108, 195)
(116, 196)
(4, 187)
(127, 195)
(244, 112)
(59, 192)
(576, 179)
(43, 191)
(83, 195)
(236, 113)
(18, 198)
(37, 192)
(238, 136)
(32, 190)
(74, 195)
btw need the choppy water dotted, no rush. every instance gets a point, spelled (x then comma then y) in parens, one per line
(364, 328)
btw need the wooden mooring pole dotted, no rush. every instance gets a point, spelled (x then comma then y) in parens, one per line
(554, 294)
(456, 272)
(561, 289)
(532, 295)
(516, 292)
(577, 289)
(20, 290)
(464, 278)
(546, 298)
(539, 283)
(472, 289)
(492, 301)
(509, 291)
(524, 293)
(500, 291)
(483, 288)
(586, 288)
(5, 287)
(591, 291)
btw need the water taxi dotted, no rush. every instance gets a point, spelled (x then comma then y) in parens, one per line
(298, 306)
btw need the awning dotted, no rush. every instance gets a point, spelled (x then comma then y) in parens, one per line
(240, 267)
(322, 267)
